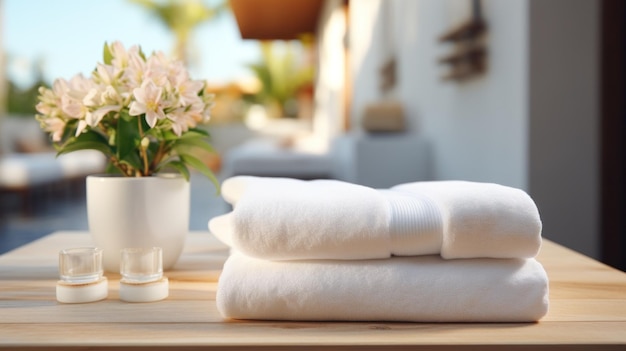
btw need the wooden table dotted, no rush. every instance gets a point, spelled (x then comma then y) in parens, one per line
(587, 311)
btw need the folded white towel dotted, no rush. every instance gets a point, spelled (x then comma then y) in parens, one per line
(278, 218)
(285, 219)
(414, 289)
(482, 219)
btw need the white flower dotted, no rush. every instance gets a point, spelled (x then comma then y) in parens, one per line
(181, 120)
(43, 108)
(111, 96)
(59, 87)
(92, 98)
(120, 55)
(188, 91)
(78, 87)
(50, 100)
(148, 101)
(105, 74)
(53, 97)
(195, 113)
(93, 118)
(178, 126)
(82, 125)
(71, 100)
(208, 101)
(156, 70)
(54, 126)
(72, 107)
(155, 88)
(103, 97)
(135, 72)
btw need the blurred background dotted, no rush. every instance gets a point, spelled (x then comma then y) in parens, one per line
(525, 93)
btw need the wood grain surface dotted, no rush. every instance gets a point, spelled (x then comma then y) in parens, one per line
(587, 310)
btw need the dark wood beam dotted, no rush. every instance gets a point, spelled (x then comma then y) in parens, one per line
(276, 19)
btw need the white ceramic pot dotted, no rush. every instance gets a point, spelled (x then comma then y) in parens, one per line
(138, 212)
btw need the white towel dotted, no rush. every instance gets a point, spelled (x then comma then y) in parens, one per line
(482, 219)
(286, 219)
(412, 289)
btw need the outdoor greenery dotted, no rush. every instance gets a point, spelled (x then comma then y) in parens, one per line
(21, 102)
(282, 75)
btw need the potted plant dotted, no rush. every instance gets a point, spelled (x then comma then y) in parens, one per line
(142, 112)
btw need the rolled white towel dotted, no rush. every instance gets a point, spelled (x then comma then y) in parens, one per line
(287, 219)
(413, 289)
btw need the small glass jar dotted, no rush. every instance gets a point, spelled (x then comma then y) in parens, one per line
(82, 279)
(81, 265)
(142, 275)
(141, 265)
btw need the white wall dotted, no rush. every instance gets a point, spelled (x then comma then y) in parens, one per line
(529, 122)
(478, 128)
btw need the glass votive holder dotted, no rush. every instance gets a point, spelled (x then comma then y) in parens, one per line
(82, 279)
(81, 265)
(142, 275)
(141, 265)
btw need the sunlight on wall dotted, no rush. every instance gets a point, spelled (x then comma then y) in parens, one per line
(327, 118)
(332, 52)
(362, 16)
(366, 55)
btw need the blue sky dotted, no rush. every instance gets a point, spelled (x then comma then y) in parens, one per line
(68, 36)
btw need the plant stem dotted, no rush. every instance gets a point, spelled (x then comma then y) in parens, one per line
(142, 150)
(120, 166)
(159, 155)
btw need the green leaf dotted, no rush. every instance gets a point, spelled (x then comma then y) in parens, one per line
(144, 124)
(127, 137)
(179, 166)
(183, 143)
(107, 55)
(202, 168)
(111, 169)
(141, 54)
(199, 131)
(168, 135)
(191, 135)
(70, 130)
(125, 116)
(84, 145)
(133, 160)
(87, 140)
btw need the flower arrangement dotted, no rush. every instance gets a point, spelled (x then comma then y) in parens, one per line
(141, 112)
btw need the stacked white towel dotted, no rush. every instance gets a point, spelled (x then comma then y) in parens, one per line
(327, 250)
